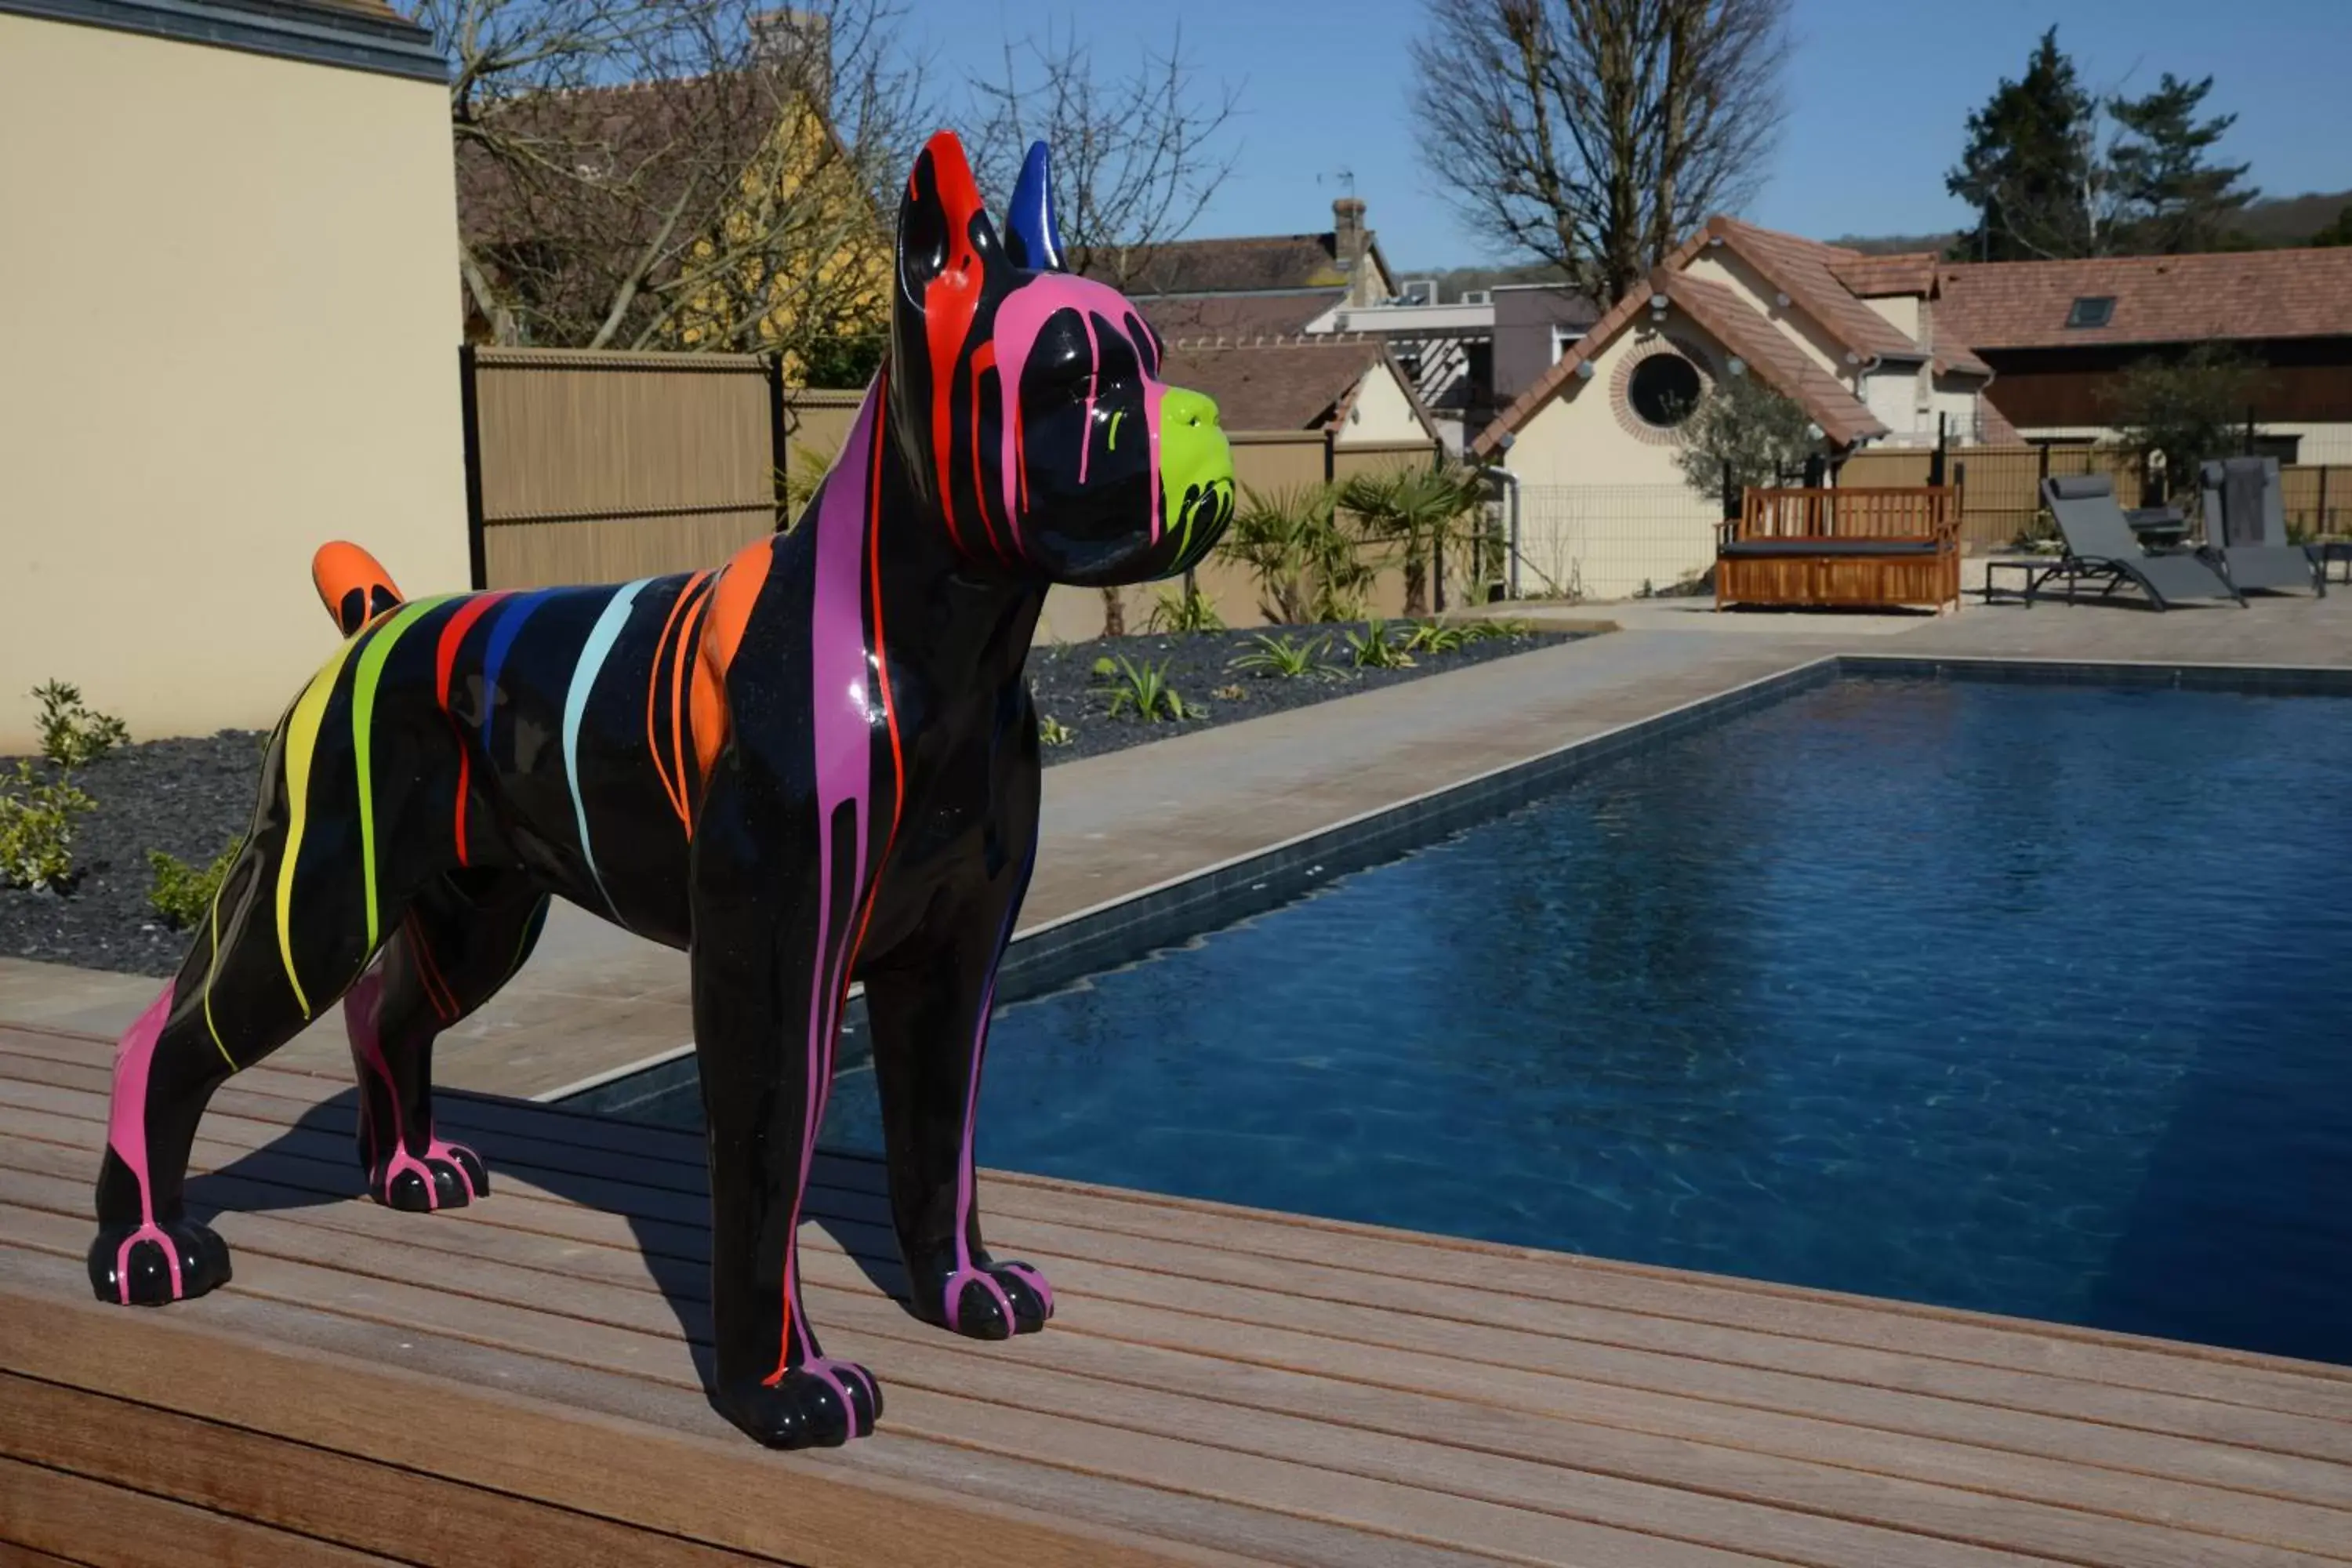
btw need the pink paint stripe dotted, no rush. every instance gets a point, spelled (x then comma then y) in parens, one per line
(359, 1021)
(843, 713)
(126, 1134)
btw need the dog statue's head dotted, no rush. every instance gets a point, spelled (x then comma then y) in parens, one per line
(1027, 401)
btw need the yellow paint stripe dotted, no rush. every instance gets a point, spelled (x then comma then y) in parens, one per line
(364, 685)
(301, 745)
(211, 969)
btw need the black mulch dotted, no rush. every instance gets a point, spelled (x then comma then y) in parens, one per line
(193, 797)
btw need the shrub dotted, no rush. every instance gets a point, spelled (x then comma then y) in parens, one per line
(1185, 610)
(1143, 690)
(1374, 650)
(73, 736)
(182, 893)
(1287, 658)
(1053, 731)
(37, 828)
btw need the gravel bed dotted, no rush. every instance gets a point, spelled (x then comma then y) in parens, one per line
(193, 797)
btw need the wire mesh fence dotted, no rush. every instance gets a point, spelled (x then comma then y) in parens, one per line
(1614, 542)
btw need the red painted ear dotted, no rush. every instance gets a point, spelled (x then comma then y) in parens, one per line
(942, 224)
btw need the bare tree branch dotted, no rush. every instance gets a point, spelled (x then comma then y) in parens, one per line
(679, 173)
(1594, 134)
(1136, 158)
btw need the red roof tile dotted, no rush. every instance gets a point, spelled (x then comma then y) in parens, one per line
(2250, 294)
(1802, 268)
(1287, 384)
(1883, 276)
(1773, 355)
(1237, 315)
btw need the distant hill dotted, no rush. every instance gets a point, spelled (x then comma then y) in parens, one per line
(2273, 221)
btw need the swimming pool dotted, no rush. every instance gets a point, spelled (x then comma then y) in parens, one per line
(2028, 998)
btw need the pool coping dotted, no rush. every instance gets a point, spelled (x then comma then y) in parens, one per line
(1131, 926)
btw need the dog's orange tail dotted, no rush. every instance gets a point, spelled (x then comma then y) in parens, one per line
(352, 584)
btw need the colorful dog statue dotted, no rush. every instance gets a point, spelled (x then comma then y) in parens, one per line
(816, 763)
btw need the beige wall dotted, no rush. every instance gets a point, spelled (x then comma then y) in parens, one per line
(1717, 264)
(230, 322)
(1901, 312)
(1603, 511)
(1382, 411)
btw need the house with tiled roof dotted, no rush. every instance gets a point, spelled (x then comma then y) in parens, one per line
(1348, 384)
(2056, 334)
(1252, 285)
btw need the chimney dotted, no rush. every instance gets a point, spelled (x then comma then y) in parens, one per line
(1351, 243)
(798, 46)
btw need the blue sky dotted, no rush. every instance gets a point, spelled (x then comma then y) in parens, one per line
(1878, 97)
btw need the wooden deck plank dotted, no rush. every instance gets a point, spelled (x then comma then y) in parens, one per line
(112, 1527)
(2053, 1438)
(307, 1490)
(674, 1163)
(1664, 1442)
(1438, 1372)
(1221, 1385)
(1874, 1383)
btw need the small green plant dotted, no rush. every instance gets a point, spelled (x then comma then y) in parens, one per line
(1496, 631)
(1184, 610)
(1143, 690)
(1230, 693)
(1053, 731)
(182, 893)
(1106, 668)
(72, 735)
(1374, 649)
(37, 828)
(1436, 637)
(1287, 658)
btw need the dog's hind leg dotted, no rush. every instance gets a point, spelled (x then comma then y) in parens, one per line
(464, 936)
(235, 1000)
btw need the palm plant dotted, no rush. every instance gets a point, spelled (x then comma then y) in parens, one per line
(1185, 609)
(1307, 566)
(1287, 658)
(1421, 510)
(1143, 690)
(1374, 649)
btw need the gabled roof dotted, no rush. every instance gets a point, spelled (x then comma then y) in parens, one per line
(1770, 354)
(1248, 264)
(1885, 277)
(1280, 314)
(1768, 350)
(1284, 384)
(1805, 269)
(2253, 294)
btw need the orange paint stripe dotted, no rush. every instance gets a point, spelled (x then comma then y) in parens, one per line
(674, 788)
(732, 600)
(681, 660)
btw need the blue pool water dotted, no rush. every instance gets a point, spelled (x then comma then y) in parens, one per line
(2024, 998)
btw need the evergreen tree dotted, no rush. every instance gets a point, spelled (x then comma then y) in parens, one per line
(2176, 202)
(2030, 169)
(2338, 232)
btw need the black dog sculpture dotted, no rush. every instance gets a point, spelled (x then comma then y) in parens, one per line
(818, 762)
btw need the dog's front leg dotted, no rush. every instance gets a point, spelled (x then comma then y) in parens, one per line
(929, 1011)
(772, 944)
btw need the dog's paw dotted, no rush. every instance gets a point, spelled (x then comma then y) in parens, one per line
(449, 1176)
(820, 1404)
(149, 1265)
(989, 1300)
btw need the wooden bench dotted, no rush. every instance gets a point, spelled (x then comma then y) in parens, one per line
(1851, 548)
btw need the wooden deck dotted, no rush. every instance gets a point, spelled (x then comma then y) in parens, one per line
(1221, 1386)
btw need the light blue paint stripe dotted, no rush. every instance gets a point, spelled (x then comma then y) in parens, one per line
(592, 654)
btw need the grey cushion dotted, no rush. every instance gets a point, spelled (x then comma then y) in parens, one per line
(1785, 548)
(2080, 486)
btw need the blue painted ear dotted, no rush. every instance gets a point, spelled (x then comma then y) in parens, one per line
(1032, 239)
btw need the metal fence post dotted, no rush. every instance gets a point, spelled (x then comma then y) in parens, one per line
(470, 413)
(779, 439)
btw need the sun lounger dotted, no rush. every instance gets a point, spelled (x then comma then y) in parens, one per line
(2246, 528)
(2100, 549)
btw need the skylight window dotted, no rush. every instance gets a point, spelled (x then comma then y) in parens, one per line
(2091, 310)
